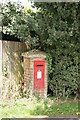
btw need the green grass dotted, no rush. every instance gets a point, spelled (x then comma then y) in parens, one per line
(26, 108)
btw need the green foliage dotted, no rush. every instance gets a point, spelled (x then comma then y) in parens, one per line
(65, 73)
(24, 108)
(27, 92)
(59, 36)
(15, 20)
(54, 28)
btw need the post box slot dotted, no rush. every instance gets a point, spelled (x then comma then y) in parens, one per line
(39, 65)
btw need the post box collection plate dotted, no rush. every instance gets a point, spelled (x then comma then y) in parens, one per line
(39, 74)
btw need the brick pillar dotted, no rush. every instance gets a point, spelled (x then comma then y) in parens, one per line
(29, 58)
(26, 71)
(25, 78)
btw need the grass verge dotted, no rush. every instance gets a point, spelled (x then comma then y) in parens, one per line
(26, 108)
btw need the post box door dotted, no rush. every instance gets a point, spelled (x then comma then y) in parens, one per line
(39, 74)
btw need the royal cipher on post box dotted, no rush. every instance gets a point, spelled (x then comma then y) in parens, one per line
(35, 72)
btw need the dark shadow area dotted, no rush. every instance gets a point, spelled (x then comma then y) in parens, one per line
(8, 37)
(49, 118)
(50, 92)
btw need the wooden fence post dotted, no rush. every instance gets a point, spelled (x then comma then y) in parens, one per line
(0, 67)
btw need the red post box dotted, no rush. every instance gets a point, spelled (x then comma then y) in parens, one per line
(39, 74)
(35, 70)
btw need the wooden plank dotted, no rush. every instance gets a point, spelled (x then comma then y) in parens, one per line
(0, 67)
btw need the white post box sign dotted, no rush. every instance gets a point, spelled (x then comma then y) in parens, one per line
(39, 74)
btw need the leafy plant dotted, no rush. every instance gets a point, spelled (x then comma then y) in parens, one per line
(54, 28)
